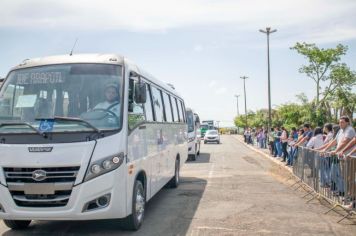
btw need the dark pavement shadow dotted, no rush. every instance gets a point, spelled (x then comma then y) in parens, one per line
(202, 158)
(169, 212)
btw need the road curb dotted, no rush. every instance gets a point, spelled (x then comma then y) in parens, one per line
(265, 155)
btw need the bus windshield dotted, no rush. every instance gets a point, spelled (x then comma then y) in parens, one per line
(74, 97)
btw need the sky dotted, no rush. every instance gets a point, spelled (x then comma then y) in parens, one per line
(202, 47)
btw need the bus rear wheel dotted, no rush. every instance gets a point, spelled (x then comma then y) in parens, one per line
(134, 221)
(17, 224)
(174, 182)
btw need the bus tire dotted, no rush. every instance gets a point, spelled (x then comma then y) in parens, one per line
(134, 221)
(174, 182)
(194, 157)
(17, 224)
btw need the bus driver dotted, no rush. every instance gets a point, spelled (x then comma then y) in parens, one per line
(112, 102)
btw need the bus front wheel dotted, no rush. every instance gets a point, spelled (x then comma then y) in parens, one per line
(134, 221)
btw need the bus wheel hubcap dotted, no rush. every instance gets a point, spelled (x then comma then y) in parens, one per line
(140, 205)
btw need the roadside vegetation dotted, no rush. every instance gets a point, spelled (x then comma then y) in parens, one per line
(335, 92)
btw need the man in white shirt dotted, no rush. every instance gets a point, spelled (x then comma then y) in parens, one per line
(112, 102)
(343, 137)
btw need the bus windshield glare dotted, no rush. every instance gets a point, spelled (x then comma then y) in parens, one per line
(74, 97)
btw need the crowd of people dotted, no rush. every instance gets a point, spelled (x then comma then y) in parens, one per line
(332, 142)
(337, 139)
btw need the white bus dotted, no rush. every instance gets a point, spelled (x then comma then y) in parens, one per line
(86, 137)
(193, 134)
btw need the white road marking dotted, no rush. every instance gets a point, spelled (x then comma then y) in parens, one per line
(211, 172)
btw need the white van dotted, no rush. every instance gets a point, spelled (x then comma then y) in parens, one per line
(193, 134)
(86, 137)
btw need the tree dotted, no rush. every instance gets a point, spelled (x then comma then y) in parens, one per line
(290, 114)
(240, 121)
(321, 63)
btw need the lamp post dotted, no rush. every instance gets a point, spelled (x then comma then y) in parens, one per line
(268, 31)
(244, 78)
(238, 113)
(237, 103)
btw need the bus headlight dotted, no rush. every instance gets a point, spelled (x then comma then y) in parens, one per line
(95, 169)
(104, 166)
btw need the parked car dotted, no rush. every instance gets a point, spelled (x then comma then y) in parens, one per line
(212, 136)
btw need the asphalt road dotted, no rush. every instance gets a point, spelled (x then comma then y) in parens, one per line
(229, 190)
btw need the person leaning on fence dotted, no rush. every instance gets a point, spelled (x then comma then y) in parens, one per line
(330, 132)
(300, 135)
(342, 139)
(348, 154)
(349, 149)
(307, 135)
(292, 139)
(294, 147)
(317, 140)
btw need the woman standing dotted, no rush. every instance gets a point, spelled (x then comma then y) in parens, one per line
(284, 141)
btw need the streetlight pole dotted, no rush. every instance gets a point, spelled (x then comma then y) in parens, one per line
(237, 103)
(244, 78)
(268, 31)
(238, 113)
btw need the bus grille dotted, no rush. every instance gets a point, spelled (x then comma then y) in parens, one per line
(41, 187)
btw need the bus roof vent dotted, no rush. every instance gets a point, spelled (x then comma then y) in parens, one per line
(171, 85)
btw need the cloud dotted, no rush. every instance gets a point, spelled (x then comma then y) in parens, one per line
(212, 84)
(221, 90)
(316, 19)
(198, 48)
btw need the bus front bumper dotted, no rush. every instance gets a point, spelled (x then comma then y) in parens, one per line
(106, 184)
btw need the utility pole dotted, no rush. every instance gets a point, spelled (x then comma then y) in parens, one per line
(268, 31)
(244, 78)
(237, 104)
(238, 113)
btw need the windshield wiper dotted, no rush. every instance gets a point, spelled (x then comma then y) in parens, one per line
(78, 120)
(23, 124)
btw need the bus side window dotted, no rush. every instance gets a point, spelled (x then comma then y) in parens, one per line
(148, 105)
(157, 103)
(183, 111)
(168, 108)
(174, 109)
(135, 111)
(175, 104)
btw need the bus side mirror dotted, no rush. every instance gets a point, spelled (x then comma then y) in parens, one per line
(1, 81)
(140, 92)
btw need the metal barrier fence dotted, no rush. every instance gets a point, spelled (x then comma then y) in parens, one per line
(330, 176)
